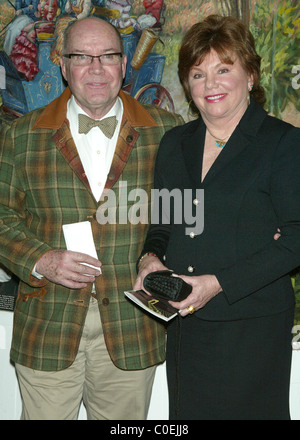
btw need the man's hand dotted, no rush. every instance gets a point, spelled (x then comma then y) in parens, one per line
(68, 268)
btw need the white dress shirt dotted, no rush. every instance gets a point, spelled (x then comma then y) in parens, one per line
(95, 150)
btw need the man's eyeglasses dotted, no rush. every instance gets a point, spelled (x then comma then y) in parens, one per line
(106, 59)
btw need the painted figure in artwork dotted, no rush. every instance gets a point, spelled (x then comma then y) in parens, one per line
(154, 7)
(76, 10)
(33, 18)
(79, 8)
(27, 7)
(125, 23)
(26, 12)
(47, 10)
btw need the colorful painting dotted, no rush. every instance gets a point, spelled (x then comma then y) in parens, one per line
(152, 30)
(274, 23)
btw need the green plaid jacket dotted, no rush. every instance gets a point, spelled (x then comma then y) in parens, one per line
(43, 186)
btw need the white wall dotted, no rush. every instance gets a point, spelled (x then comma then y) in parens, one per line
(10, 402)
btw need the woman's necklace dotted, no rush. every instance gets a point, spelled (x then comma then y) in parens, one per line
(219, 142)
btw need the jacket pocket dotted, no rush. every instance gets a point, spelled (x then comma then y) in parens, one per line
(25, 296)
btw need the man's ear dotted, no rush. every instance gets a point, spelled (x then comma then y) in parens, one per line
(63, 67)
(124, 64)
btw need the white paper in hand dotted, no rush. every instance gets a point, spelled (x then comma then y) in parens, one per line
(79, 238)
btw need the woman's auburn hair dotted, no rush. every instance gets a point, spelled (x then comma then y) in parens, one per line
(230, 38)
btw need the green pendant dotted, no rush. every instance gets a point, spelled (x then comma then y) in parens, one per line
(220, 144)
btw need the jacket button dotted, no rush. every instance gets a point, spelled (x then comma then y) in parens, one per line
(196, 202)
(111, 176)
(92, 216)
(105, 301)
(192, 235)
(129, 139)
(191, 269)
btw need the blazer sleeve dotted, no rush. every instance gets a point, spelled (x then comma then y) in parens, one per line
(279, 257)
(160, 227)
(20, 248)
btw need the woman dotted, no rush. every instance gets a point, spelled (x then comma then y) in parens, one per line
(230, 357)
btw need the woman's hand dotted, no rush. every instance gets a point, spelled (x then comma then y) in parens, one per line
(148, 264)
(205, 287)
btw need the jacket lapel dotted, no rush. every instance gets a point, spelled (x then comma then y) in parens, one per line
(54, 117)
(65, 144)
(134, 116)
(126, 140)
(236, 144)
(192, 146)
(194, 138)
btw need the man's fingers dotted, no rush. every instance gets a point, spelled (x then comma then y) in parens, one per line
(68, 268)
(83, 268)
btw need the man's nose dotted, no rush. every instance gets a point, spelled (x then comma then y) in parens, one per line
(96, 64)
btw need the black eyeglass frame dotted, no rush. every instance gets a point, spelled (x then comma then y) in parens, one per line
(92, 57)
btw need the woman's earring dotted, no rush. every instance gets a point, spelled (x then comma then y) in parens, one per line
(190, 113)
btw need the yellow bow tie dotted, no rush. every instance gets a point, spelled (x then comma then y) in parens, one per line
(107, 125)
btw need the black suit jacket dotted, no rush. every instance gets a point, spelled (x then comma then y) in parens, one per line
(252, 189)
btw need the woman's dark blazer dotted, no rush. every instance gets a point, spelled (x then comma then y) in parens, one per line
(252, 189)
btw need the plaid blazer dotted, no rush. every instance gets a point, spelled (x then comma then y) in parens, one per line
(43, 186)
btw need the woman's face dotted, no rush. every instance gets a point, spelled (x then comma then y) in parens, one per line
(219, 90)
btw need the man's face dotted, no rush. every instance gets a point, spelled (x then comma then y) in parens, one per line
(95, 86)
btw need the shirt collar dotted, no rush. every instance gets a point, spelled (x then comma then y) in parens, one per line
(54, 114)
(73, 109)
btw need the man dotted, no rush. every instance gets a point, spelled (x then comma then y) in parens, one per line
(51, 175)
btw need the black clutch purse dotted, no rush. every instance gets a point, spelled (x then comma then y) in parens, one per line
(163, 285)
